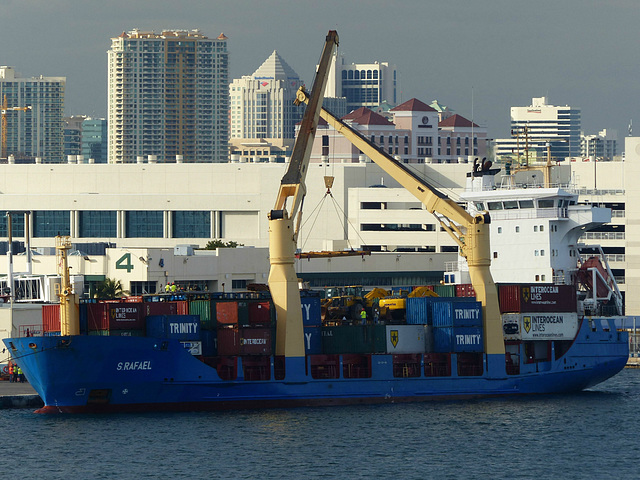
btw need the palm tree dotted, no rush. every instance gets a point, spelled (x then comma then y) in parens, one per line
(110, 288)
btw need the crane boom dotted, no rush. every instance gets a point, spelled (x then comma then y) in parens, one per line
(471, 233)
(283, 281)
(3, 112)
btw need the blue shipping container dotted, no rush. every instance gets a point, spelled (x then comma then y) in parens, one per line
(209, 343)
(312, 341)
(458, 340)
(467, 339)
(442, 314)
(467, 314)
(180, 327)
(311, 311)
(420, 309)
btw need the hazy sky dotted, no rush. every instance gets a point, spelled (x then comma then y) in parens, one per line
(500, 53)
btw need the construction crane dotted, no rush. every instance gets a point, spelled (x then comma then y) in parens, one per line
(3, 112)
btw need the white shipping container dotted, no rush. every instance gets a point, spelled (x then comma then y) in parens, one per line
(406, 339)
(540, 326)
(195, 348)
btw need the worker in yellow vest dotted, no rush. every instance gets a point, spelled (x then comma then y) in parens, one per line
(363, 316)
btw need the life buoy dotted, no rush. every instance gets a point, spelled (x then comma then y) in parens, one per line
(5, 369)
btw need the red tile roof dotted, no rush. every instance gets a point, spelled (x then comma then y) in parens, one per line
(413, 105)
(456, 121)
(364, 116)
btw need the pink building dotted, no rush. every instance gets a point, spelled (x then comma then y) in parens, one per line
(413, 136)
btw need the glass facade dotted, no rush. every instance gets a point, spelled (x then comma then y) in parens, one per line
(98, 224)
(17, 224)
(191, 224)
(50, 223)
(144, 224)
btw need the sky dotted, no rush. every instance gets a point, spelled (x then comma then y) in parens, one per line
(478, 57)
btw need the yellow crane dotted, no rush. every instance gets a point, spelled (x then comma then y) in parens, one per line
(3, 112)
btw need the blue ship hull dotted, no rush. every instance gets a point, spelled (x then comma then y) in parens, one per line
(117, 374)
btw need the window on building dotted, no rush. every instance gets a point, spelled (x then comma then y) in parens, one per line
(535, 228)
(17, 225)
(144, 224)
(499, 229)
(98, 224)
(238, 284)
(495, 254)
(142, 288)
(191, 224)
(50, 223)
(517, 229)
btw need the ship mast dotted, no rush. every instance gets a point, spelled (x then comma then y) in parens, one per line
(69, 312)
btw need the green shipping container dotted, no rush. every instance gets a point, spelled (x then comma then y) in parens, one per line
(354, 339)
(445, 290)
(243, 313)
(202, 308)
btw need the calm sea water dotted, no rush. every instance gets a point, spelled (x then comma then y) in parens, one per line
(590, 435)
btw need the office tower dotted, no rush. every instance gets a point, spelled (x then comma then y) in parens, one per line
(94, 140)
(33, 126)
(363, 84)
(168, 97)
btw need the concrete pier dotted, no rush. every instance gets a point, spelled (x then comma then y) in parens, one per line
(18, 395)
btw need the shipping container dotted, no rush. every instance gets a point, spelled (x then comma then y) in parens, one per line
(256, 368)
(133, 299)
(243, 313)
(260, 313)
(458, 339)
(83, 318)
(244, 341)
(446, 291)
(311, 311)
(536, 298)
(226, 313)
(353, 339)
(209, 342)
(465, 290)
(115, 316)
(202, 308)
(540, 326)
(182, 308)
(255, 341)
(178, 327)
(420, 309)
(312, 340)
(405, 339)
(51, 318)
(160, 308)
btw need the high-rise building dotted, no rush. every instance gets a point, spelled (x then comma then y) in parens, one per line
(73, 135)
(600, 147)
(95, 140)
(541, 129)
(34, 116)
(363, 84)
(262, 103)
(168, 97)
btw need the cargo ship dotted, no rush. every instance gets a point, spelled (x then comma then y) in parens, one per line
(540, 334)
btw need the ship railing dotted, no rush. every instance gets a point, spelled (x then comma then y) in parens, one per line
(598, 192)
(610, 257)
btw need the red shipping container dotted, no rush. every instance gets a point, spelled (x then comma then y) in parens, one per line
(465, 290)
(182, 307)
(228, 341)
(115, 316)
(259, 313)
(255, 341)
(51, 318)
(226, 312)
(133, 299)
(244, 341)
(533, 298)
(160, 308)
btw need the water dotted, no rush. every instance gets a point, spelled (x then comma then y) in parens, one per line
(591, 435)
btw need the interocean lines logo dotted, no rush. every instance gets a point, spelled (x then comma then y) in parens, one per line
(526, 323)
(526, 294)
(393, 334)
